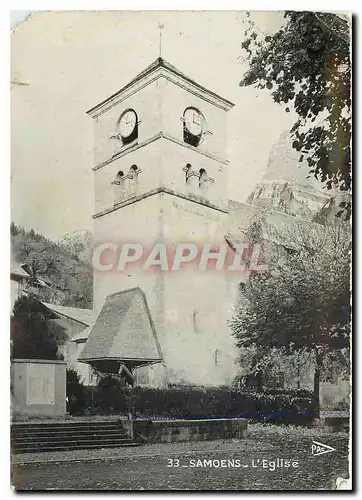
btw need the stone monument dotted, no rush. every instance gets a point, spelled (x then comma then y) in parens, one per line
(38, 387)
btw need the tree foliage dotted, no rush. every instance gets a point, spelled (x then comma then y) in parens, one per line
(302, 304)
(78, 244)
(303, 301)
(70, 279)
(30, 336)
(306, 65)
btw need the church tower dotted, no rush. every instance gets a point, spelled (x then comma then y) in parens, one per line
(160, 175)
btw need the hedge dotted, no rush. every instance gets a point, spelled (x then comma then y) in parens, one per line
(276, 405)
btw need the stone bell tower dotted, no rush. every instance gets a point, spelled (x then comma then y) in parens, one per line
(160, 175)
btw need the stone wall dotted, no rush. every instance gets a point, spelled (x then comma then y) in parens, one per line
(175, 430)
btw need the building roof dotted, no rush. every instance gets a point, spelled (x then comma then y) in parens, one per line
(123, 331)
(84, 316)
(82, 336)
(17, 270)
(161, 63)
(38, 279)
(277, 227)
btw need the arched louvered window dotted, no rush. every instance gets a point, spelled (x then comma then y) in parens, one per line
(202, 179)
(133, 179)
(118, 186)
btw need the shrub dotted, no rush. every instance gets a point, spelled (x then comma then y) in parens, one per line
(109, 396)
(272, 405)
(29, 331)
(183, 402)
(77, 393)
(283, 406)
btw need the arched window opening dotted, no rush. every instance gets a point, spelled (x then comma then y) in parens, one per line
(133, 179)
(203, 179)
(193, 125)
(119, 176)
(127, 127)
(187, 170)
(118, 186)
(134, 172)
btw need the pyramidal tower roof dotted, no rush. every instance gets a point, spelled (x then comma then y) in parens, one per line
(156, 66)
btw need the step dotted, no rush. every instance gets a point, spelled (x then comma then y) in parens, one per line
(52, 436)
(75, 447)
(48, 444)
(68, 437)
(61, 432)
(70, 444)
(73, 425)
(47, 430)
(75, 421)
(46, 439)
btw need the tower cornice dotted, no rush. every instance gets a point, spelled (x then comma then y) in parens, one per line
(134, 199)
(160, 69)
(156, 137)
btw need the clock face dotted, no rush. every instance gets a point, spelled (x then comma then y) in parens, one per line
(127, 123)
(194, 121)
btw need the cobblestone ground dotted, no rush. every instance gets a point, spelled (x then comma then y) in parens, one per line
(170, 466)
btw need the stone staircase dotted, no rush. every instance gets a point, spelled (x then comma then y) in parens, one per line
(64, 436)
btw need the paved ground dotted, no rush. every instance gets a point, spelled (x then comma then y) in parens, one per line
(187, 466)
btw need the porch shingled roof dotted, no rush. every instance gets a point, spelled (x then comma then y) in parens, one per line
(123, 330)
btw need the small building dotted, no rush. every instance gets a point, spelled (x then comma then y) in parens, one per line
(23, 282)
(19, 282)
(67, 324)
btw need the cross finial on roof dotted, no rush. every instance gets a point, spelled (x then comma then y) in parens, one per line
(160, 26)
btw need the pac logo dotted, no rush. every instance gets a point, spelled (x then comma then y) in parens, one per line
(321, 449)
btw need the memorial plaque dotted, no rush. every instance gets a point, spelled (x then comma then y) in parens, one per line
(39, 384)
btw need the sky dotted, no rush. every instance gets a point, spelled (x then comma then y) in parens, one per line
(63, 63)
(18, 16)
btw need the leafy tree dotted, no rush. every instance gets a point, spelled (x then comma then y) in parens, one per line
(302, 304)
(30, 336)
(78, 244)
(271, 363)
(73, 378)
(78, 283)
(306, 65)
(14, 230)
